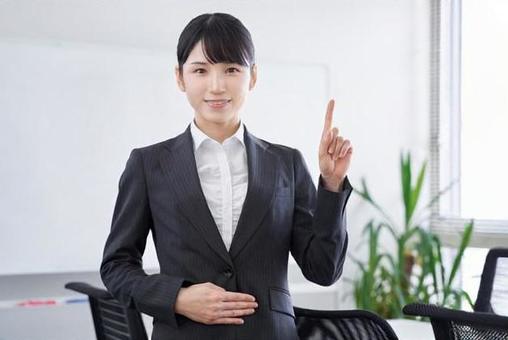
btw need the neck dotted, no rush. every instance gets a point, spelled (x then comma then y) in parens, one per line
(218, 131)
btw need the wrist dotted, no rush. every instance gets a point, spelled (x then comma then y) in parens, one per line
(180, 301)
(333, 184)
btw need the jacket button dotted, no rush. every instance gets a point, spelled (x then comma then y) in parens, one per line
(228, 273)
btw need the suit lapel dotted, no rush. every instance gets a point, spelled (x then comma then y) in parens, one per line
(179, 165)
(262, 175)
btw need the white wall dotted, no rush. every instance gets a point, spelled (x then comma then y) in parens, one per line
(371, 56)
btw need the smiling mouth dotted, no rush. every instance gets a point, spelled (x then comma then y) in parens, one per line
(217, 103)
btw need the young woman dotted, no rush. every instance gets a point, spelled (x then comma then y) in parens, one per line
(225, 208)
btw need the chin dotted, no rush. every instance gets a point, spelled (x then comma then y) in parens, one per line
(218, 117)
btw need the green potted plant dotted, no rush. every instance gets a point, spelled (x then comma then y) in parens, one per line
(416, 271)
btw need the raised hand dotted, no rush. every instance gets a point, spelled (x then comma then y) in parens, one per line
(210, 304)
(334, 153)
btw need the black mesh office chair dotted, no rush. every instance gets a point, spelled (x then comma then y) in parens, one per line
(449, 324)
(341, 325)
(487, 321)
(493, 291)
(112, 320)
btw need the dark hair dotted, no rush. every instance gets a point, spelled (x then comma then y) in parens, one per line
(224, 39)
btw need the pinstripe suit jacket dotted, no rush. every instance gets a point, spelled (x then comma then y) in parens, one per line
(160, 191)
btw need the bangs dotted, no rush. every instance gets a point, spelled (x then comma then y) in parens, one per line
(221, 45)
(223, 38)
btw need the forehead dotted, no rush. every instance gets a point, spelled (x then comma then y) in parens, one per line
(197, 54)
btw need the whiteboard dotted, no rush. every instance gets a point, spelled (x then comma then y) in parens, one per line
(70, 115)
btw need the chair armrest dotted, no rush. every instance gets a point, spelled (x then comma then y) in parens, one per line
(447, 314)
(358, 314)
(89, 290)
(338, 314)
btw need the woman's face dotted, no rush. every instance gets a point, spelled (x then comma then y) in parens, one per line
(215, 91)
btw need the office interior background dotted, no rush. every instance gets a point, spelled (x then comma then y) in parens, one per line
(82, 83)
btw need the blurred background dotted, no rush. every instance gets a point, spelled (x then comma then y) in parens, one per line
(82, 83)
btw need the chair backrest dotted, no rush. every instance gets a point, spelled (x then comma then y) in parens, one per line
(341, 325)
(449, 324)
(493, 291)
(112, 320)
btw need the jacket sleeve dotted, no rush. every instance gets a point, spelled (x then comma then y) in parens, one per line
(122, 267)
(319, 237)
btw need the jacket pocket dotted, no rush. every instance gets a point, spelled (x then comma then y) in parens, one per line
(280, 301)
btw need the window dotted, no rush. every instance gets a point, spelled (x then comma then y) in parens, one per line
(484, 109)
(469, 120)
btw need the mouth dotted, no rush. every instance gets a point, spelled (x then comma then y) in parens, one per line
(217, 103)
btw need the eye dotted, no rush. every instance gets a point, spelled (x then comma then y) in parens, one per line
(232, 70)
(199, 70)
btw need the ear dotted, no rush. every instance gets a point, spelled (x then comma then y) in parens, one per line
(179, 79)
(253, 76)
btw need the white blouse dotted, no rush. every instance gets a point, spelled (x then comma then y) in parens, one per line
(223, 173)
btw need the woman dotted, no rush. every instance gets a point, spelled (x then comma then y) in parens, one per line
(225, 208)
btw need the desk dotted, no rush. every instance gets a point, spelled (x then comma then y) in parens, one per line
(411, 329)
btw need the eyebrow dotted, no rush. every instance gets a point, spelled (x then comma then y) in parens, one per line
(206, 63)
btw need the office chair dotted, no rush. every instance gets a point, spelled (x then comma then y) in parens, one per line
(485, 322)
(341, 325)
(111, 319)
(450, 324)
(493, 292)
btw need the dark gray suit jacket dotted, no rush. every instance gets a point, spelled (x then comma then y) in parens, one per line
(160, 191)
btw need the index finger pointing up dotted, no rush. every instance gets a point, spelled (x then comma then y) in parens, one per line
(329, 116)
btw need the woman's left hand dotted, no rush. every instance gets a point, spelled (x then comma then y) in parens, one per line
(334, 153)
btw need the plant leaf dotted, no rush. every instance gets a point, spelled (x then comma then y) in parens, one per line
(466, 238)
(415, 193)
(405, 176)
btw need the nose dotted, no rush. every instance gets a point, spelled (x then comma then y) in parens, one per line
(216, 82)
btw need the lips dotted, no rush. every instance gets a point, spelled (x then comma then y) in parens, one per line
(217, 103)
